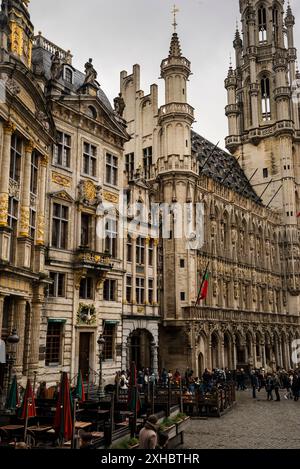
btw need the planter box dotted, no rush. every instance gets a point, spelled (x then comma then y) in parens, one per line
(171, 431)
(181, 426)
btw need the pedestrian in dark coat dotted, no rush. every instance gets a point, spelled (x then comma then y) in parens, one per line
(269, 387)
(276, 386)
(254, 383)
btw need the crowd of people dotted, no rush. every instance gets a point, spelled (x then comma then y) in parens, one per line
(257, 379)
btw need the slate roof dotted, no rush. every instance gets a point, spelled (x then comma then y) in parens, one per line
(222, 167)
(41, 58)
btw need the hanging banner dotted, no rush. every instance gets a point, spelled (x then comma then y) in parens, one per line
(2, 352)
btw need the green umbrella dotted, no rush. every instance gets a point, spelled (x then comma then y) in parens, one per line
(12, 400)
(79, 390)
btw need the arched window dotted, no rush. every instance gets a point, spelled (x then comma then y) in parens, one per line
(262, 24)
(265, 98)
(69, 76)
(91, 111)
(275, 24)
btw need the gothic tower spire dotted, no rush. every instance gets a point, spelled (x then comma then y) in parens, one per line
(263, 114)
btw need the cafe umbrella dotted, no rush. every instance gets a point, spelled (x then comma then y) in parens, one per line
(79, 390)
(63, 422)
(12, 401)
(27, 408)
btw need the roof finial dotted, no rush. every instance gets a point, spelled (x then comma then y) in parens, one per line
(174, 11)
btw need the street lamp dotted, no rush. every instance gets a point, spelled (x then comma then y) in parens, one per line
(13, 339)
(101, 343)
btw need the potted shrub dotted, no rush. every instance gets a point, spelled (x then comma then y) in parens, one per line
(168, 426)
(181, 420)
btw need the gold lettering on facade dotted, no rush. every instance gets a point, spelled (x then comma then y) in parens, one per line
(110, 197)
(61, 180)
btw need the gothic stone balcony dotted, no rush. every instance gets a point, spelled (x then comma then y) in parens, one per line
(86, 259)
(227, 315)
(176, 109)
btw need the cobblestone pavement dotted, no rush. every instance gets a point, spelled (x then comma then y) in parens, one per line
(253, 424)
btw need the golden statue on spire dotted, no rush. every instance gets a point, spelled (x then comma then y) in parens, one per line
(174, 12)
(26, 3)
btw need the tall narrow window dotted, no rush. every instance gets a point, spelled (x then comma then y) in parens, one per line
(262, 24)
(111, 233)
(140, 290)
(151, 251)
(34, 173)
(129, 165)
(68, 76)
(86, 222)
(57, 288)
(32, 222)
(110, 290)
(86, 288)
(150, 291)
(128, 289)
(265, 99)
(13, 224)
(53, 343)
(129, 248)
(140, 250)
(62, 150)
(109, 334)
(60, 226)
(275, 25)
(89, 159)
(111, 170)
(147, 162)
(15, 158)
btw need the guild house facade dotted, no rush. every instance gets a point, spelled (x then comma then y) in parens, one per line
(81, 253)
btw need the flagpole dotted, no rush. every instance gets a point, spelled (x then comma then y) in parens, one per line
(203, 280)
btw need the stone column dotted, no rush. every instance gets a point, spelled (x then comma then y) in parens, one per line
(155, 248)
(234, 354)
(221, 354)
(147, 242)
(154, 353)
(134, 270)
(2, 297)
(35, 337)
(8, 130)
(40, 238)
(25, 197)
(210, 358)
(254, 356)
(19, 324)
(264, 360)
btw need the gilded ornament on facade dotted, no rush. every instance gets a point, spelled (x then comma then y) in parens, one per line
(24, 221)
(41, 230)
(3, 209)
(110, 197)
(89, 193)
(86, 315)
(16, 38)
(61, 180)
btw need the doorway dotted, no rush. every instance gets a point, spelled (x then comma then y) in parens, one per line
(84, 354)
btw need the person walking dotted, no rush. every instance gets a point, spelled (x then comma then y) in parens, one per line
(254, 383)
(269, 387)
(148, 434)
(276, 382)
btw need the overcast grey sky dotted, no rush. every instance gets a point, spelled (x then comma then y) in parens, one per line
(120, 33)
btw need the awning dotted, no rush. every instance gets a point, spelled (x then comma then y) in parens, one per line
(2, 352)
(108, 321)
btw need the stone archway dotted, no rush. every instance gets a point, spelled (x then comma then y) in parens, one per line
(140, 349)
(228, 351)
(140, 339)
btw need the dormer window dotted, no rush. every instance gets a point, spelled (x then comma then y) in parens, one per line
(91, 111)
(265, 99)
(68, 75)
(262, 24)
